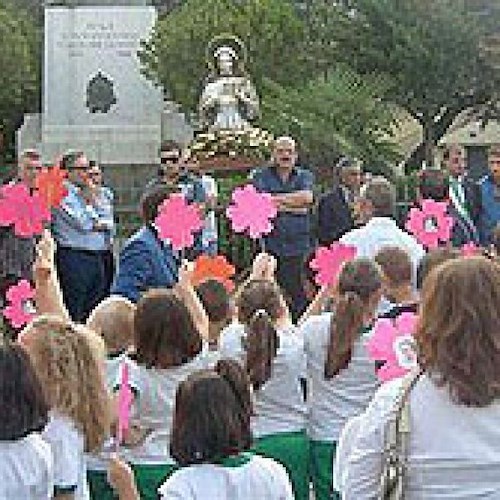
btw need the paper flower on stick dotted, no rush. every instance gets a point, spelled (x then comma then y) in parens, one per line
(470, 250)
(125, 399)
(178, 221)
(27, 213)
(215, 268)
(430, 224)
(392, 341)
(50, 186)
(328, 262)
(252, 211)
(20, 309)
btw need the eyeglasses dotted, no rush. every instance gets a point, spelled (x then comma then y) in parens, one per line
(164, 160)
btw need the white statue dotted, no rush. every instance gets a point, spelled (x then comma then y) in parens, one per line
(229, 100)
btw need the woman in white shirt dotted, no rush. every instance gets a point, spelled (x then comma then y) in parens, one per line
(26, 469)
(454, 405)
(210, 438)
(273, 356)
(340, 376)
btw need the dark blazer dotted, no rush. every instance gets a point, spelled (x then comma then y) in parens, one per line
(145, 262)
(334, 217)
(462, 231)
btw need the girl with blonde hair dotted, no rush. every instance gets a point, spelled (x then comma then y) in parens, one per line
(69, 361)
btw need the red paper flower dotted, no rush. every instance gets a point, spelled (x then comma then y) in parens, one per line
(177, 221)
(27, 213)
(252, 211)
(392, 341)
(328, 262)
(20, 309)
(430, 224)
(50, 185)
(216, 268)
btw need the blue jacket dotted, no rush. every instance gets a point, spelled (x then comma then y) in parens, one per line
(490, 210)
(145, 262)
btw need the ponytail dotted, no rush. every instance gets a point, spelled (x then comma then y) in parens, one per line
(236, 378)
(344, 329)
(261, 348)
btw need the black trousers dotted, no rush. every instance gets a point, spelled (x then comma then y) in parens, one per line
(83, 280)
(290, 278)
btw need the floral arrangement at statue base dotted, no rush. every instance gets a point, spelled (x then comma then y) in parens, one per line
(237, 149)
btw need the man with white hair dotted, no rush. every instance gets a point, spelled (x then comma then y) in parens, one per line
(378, 204)
(290, 241)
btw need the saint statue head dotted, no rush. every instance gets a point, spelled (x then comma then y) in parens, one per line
(226, 58)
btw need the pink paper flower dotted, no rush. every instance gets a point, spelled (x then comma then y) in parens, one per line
(20, 308)
(392, 341)
(125, 399)
(470, 250)
(27, 213)
(178, 221)
(328, 262)
(252, 211)
(430, 224)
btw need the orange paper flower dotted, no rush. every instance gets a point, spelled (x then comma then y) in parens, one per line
(215, 268)
(50, 185)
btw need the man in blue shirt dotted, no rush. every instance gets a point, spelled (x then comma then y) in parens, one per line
(145, 260)
(80, 226)
(489, 217)
(290, 240)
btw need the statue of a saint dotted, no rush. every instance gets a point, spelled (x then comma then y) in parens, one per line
(229, 100)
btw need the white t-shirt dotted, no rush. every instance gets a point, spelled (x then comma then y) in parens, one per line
(259, 478)
(68, 447)
(278, 405)
(454, 451)
(380, 232)
(331, 402)
(26, 469)
(154, 406)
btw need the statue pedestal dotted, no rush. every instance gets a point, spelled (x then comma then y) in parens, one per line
(228, 164)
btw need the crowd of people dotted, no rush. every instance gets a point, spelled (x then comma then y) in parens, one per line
(267, 391)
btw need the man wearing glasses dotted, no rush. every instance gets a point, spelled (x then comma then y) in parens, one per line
(18, 254)
(81, 226)
(174, 174)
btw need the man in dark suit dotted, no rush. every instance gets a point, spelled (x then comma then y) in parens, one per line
(335, 208)
(146, 261)
(463, 194)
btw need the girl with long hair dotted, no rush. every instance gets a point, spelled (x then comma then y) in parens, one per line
(340, 376)
(69, 361)
(273, 357)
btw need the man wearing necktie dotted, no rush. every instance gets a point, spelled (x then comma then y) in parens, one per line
(463, 194)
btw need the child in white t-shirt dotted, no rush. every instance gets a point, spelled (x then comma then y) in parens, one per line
(340, 375)
(170, 326)
(273, 356)
(210, 438)
(26, 467)
(69, 361)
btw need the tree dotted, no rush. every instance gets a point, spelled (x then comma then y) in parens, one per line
(271, 30)
(431, 52)
(339, 113)
(19, 78)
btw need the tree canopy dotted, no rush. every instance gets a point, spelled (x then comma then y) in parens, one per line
(20, 63)
(430, 50)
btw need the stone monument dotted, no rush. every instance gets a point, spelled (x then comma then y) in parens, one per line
(94, 95)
